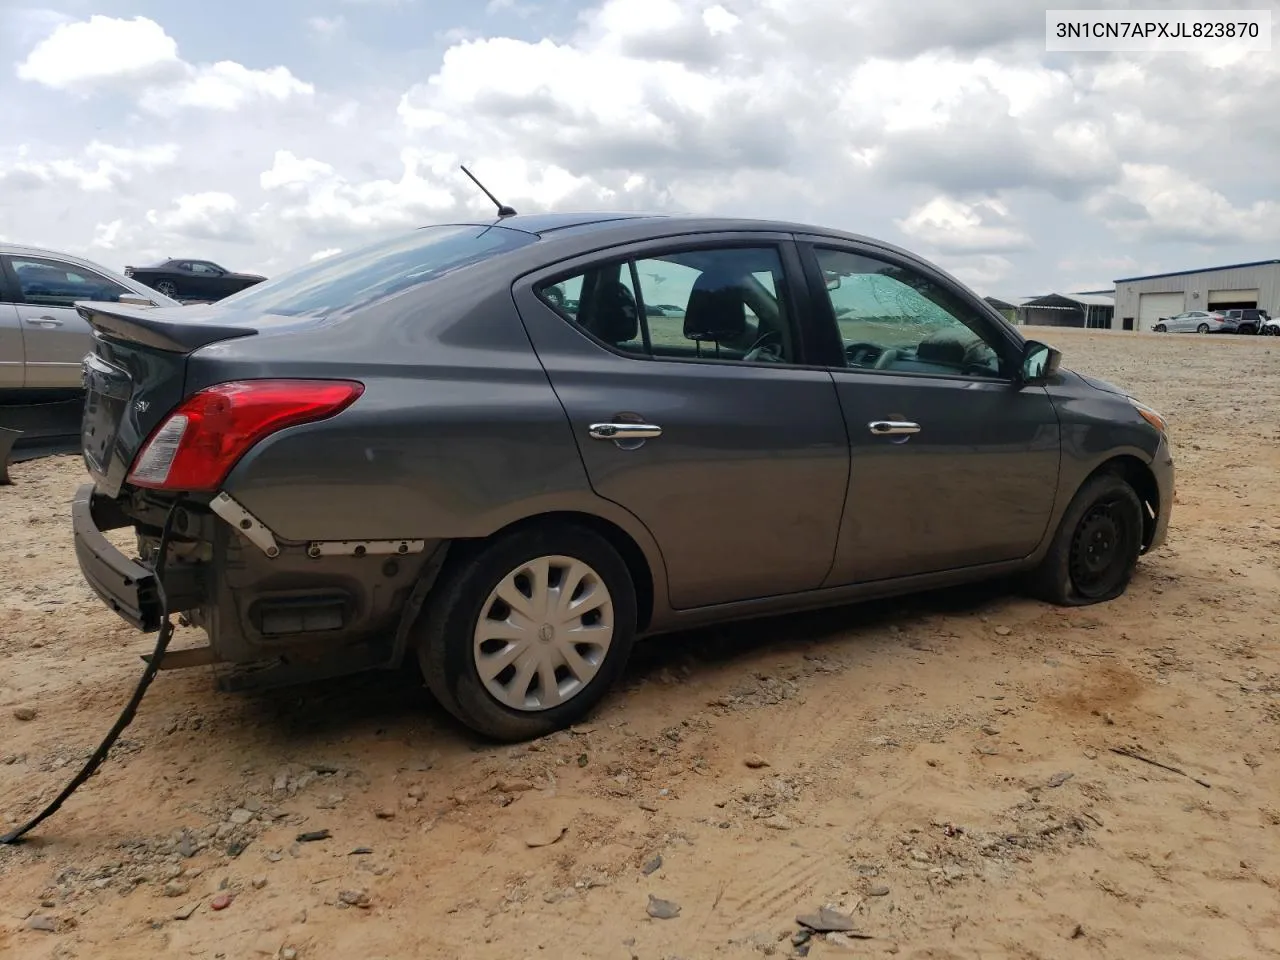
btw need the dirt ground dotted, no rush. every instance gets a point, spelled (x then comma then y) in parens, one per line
(940, 768)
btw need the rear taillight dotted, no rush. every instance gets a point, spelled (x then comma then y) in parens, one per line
(199, 442)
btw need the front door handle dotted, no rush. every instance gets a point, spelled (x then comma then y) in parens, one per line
(893, 428)
(45, 321)
(624, 431)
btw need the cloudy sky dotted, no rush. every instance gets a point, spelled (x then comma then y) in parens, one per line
(263, 134)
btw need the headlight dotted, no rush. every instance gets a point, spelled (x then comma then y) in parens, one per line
(1149, 415)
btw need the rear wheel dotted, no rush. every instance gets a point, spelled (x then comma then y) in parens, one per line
(1096, 547)
(1159, 328)
(1203, 328)
(168, 288)
(529, 633)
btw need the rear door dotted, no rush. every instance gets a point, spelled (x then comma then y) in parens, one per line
(952, 465)
(55, 336)
(701, 417)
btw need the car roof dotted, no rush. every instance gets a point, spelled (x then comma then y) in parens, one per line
(622, 227)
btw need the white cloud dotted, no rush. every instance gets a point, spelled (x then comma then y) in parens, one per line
(87, 56)
(1158, 203)
(211, 215)
(82, 54)
(103, 167)
(288, 171)
(950, 226)
(985, 274)
(326, 26)
(105, 235)
(324, 254)
(226, 85)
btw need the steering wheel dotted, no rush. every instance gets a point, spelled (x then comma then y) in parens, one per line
(862, 353)
(762, 349)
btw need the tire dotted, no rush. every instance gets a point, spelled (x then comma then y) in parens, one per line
(1203, 328)
(450, 649)
(168, 288)
(1104, 510)
(1159, 328)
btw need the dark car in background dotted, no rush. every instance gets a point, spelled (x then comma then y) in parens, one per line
(474, 445)
(1248, 321)
(193, 279)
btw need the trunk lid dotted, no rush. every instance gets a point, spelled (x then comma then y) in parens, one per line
(136, 374)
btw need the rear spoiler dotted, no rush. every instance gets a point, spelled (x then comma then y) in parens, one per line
(144, 325)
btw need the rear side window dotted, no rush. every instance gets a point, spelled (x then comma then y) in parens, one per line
(348, 281)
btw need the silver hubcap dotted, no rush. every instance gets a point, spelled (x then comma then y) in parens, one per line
(543, 634)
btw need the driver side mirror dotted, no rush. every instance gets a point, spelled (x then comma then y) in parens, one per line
(1039, 363)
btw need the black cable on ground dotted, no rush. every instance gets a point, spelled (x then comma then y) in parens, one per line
(126, 717)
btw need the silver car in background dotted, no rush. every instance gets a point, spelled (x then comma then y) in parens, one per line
(1193, 321)
(42, 338)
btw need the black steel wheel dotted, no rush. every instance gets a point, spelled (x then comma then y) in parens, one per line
(1096, 547)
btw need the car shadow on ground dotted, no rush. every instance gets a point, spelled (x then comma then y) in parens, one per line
(395, 706)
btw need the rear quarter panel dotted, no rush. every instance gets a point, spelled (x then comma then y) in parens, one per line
(457, 434)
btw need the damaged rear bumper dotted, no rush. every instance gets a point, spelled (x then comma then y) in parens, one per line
(126, 586)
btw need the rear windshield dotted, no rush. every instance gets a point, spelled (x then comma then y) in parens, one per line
(348, 281)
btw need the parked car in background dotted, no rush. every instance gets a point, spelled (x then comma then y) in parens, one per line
(1243, 321)
(193, 279)
(1270, 327)
(1193, 321)
(418, 448)
(42, 338)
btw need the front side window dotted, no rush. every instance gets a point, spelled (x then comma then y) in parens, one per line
(51, 283)
(719, 304)
(349, 281)
(896, 320)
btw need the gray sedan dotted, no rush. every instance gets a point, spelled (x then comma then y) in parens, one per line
(1193, 321)
(42, 338)
(475, 446)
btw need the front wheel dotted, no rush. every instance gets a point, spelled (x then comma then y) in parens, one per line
(1159, 328)
(1096, 547)
(1203, 328)
(526, 635)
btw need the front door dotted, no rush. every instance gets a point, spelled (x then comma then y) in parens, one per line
(680, 366)
(55, 335)
(951, 464)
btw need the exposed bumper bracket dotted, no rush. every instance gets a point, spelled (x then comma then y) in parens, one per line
(253, 529)
(364, 548)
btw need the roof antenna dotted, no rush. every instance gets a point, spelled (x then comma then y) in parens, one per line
(503, 209)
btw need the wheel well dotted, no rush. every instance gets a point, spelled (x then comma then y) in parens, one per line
(619, 539)
(1139, 476)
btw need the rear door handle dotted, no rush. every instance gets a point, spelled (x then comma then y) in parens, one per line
(45, 321)
(893, 428)
(624, 431)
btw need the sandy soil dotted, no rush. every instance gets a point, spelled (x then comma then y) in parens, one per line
(939, 768)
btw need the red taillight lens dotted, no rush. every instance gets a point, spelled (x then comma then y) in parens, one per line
(198, 443)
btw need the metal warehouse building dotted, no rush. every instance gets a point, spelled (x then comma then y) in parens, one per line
(1142, 301)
